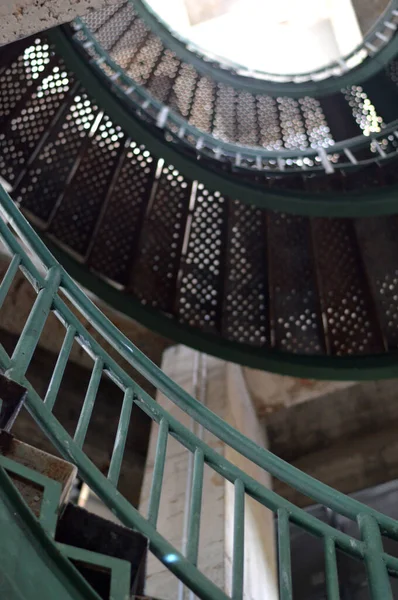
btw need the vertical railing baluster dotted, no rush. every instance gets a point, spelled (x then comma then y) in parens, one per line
(332, 578)
(88, 404)
(59, 369)
(239, 541)
(9, 277)
(158, 470)
(379, 582)
(284, 556)
(121, 437)
(195, 508)
(34, 325)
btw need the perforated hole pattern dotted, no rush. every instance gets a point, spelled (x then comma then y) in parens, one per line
(119, 231)
(230, 115)
(246, 299)
(47, 177)
(83, 198)
(258, 278)
(201, 291)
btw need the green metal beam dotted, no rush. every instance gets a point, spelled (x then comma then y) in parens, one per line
(125, 82)
(21, 527)
(356, 76)
(362, 368)
(382, 201)
(31, 566)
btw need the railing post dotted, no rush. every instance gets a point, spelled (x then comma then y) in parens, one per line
(376, 567)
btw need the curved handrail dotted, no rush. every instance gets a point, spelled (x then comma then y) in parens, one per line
(299, 85)
(75, 587)
(380, 201)
(131, 353)
(206, 144)
(335, 68)
(48, 287)
(342, 368)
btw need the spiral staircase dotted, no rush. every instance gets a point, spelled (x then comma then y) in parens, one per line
(250, 216)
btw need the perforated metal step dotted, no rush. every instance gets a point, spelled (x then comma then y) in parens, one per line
(233, 119)
(265, 288)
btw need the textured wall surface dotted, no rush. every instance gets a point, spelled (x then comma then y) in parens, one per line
(179, 364)
(260, 571)
(224, 393)
(271, 392)
(20, 18)
(346, 438)
(368, 12)
(18, 304)
(102, 428)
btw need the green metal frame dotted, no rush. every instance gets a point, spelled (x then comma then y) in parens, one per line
(186, 51)
(22, 243)
(206, 144)
(51, 492)
(31, 565)
(376, 202)
(339, 368)
(120, 570)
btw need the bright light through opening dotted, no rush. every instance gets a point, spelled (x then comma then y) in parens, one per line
(276, 36)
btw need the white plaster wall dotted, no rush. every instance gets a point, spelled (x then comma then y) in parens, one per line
(260, 561)
(174, 12)
(20, 18)
(226, 394)
(345, 25)
(21, 297)
(179, 363)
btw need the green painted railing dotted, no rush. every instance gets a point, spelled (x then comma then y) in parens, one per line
(53, 285)
(47, 573)
(357, 65)
(346, 154)
(231, 183)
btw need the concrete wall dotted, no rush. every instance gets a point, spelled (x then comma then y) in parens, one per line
(368, 12)
(179, 364)
(224, 392)
(271, 392)
(20, 18)
(101, 432)
(345, 24)
(342, 433)
(20, 299)
(346, 438)
(260, 575)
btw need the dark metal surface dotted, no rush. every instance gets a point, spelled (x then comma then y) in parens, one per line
(252, 285)
(246, 311)
(154, 272)
(378, 239)
(267, 183)
(12, 397)
(229, 112)
(48, 176)
(351, 322)
(116, 241)
(76, 217)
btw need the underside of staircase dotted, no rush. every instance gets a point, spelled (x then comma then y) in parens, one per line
(249, 216)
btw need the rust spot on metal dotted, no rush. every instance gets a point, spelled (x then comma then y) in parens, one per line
(56, 469)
